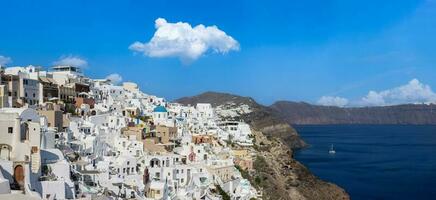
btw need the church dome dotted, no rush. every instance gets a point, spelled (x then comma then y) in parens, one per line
(160, 109)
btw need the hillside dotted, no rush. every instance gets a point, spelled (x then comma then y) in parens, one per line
(277, 174)
(304, 113)
(261, 118)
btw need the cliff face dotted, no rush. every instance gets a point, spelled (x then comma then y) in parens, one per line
(277, 174)
(303, 113)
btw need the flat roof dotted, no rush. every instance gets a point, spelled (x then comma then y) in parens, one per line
(63, 67)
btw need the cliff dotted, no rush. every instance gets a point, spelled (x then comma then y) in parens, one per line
(277, 174)
(304, 113)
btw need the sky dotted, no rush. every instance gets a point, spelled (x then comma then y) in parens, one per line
(335, 52)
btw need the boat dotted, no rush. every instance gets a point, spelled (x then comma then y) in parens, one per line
(332, 150)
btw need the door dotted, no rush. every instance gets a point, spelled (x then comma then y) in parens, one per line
(19, 175)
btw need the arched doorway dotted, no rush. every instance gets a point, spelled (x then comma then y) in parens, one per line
(19, 175)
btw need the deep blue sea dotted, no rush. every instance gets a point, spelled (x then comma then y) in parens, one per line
(374, 161)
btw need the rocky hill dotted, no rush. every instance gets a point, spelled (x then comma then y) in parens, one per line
(304, 113)
(261, 118)
(277, 174)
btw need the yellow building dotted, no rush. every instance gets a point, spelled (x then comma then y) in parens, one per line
(54, 117)
(164, 134)
(243, 159)
(138, 132)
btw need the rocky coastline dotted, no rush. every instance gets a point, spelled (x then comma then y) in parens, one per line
(277, 174)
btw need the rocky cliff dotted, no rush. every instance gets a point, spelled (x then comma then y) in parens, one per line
(277, 174)
(304, 113)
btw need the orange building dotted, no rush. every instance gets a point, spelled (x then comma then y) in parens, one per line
(198, 139)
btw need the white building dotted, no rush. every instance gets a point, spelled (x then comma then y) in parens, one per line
(23, 161)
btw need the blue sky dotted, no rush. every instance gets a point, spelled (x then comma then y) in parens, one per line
(288, 50)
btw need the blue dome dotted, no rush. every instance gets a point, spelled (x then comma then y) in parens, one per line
(160, 109)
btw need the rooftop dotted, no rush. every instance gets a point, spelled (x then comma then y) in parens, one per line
(160, 109)
(61, 68)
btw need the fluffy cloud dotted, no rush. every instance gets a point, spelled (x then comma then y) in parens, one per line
(71, 60)
(412, 92)
(185, 42)
(5, 60)
(115, 78)
(373, 99)
(333, 101)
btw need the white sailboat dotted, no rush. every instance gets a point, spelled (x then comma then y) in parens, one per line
(332, 150)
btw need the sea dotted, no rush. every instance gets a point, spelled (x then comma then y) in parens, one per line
(373, 161)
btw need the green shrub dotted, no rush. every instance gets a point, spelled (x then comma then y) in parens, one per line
(223, 193)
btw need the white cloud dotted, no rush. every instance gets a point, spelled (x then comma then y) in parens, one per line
(71, 60)
(115, 78)
(5, 60)
(373, 99)
(332, 101)
(412, 92)
(185, 42)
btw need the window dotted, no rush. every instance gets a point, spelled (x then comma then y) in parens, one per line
(34, 149)
(10, 129)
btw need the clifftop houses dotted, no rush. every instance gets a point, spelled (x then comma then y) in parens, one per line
(66, 136)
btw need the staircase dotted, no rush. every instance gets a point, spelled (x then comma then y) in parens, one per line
(36, 162)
